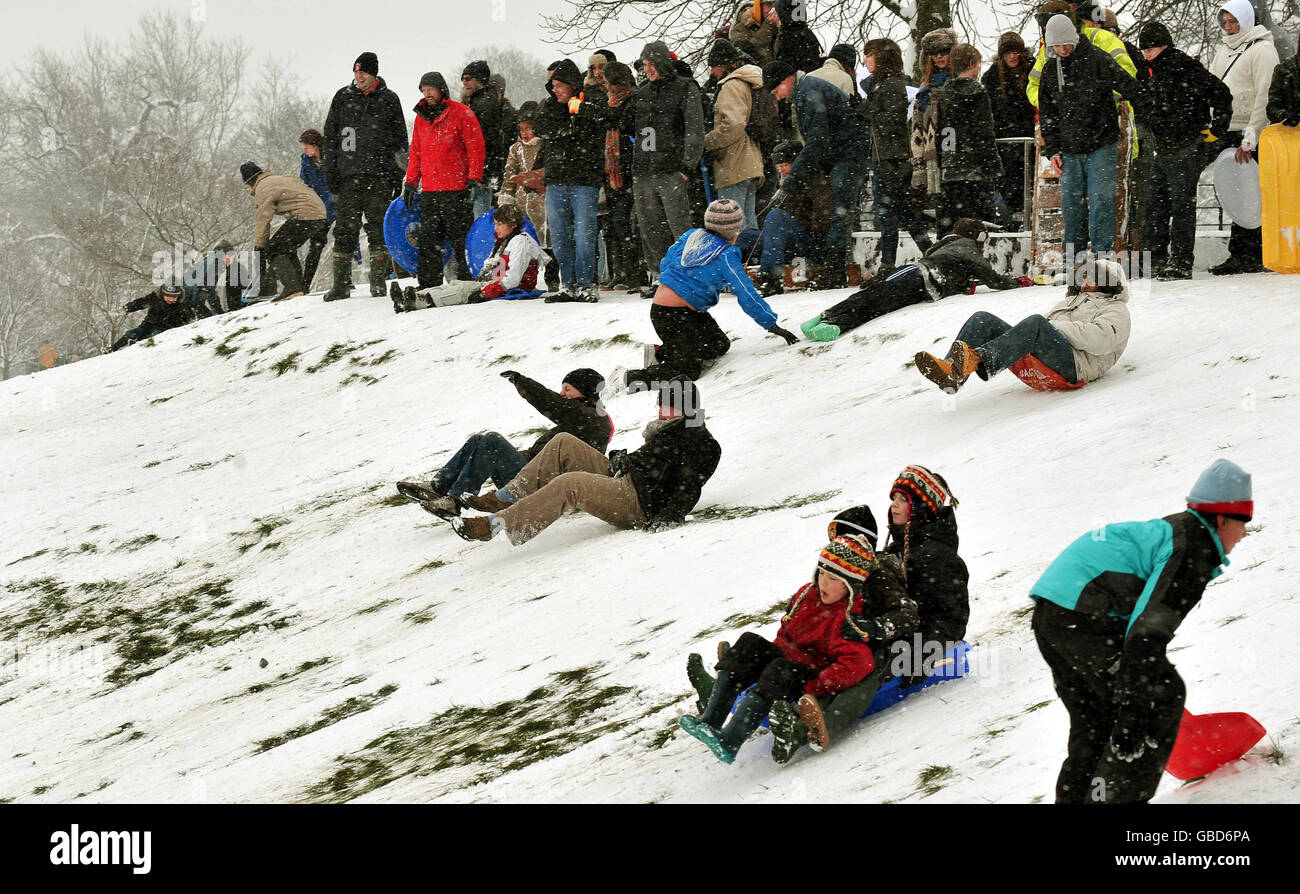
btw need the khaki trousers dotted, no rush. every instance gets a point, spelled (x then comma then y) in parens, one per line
(568, 474)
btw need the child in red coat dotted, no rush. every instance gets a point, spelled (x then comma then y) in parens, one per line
(819, 650)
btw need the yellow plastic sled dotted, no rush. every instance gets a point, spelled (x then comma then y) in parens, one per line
(1279, 172)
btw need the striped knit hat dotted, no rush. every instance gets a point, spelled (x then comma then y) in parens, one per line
(925, 490)
(724, 217)
(849, 558)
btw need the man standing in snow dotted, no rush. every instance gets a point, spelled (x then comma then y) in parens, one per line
(364, 148)
(1105, 611)
(737, 161)
(485, 102)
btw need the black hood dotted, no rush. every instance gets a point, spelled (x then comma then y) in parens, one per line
(566, 72)
(658, 54)
(940, 529)
(785, 12)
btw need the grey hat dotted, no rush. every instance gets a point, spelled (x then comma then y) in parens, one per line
(1061, 32)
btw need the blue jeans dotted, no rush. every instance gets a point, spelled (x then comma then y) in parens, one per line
(743, 194)
(484, 455)
(481, 198)
(894, 209)
(1089, 181)
(1000, 344)
(846, 182)
(571, 217)
(784, 238)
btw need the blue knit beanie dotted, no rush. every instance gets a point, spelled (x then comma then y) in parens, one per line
(1223, 489)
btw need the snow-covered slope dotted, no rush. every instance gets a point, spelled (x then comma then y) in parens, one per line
(213, 595)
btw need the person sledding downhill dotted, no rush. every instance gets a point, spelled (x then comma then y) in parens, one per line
(824, 646)
(952, 266)
(694, 272)
(1077, 341)
(510, 271)
(575, 409)
(1104, 613)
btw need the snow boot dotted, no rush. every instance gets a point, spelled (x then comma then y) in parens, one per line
(709, 736)
(1173, 271)
(721, 699)
(290, 276)
(476, 528)
(342, 287)
(380, 265)
(952, 371)
(701, 679)
(747, 717)
(444, 507)
(616, 382)
(788, 731)
(551, 275)
(417, 491)
(816, 330)
(398, 297)
(814, 722)
(1233, 266)
(770, 284)
(413, 300)
(313, 261)
(488, 502)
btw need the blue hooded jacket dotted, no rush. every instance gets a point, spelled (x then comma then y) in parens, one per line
(701, 264)
(315, 178)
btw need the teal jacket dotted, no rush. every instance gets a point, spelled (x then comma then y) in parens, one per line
(1146, 575)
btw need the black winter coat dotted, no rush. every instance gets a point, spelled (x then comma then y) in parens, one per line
(956, 261)
(1175, 102)
(668, 119)
(937, 578)
(670, 469)
(573, 145)
(365, 135)
(795, 41)
(159, 314)
(832, 128)
(885, 109)
(575, 416)
(889, 612)
(1078, 116)
(1284, 93)
(487, 108)
(1013, 114)
(966, 132)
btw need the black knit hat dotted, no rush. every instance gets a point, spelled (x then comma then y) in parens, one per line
(1152, 35)
(566, 72)
(619, 74)
(433, 79)
(367, 62)
(478, 70)
(785, 152)
(249, 171)
(588, 381)
(845, 54)
(526, 111)
(776, 72)
(857, 520)
(723, 52)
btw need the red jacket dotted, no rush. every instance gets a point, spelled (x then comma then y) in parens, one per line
(815, 634)
(447, 151)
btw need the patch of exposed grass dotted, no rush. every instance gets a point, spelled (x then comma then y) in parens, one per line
(727, 513)
(249, 608)
(1230, 619)
(931, 779)
(742, 619)
(433, 565)
(395, 500)
(35, 555)
(351, 707)
(198, 340)
(358, 377)
(566, 713)
(1037, 706)
(378, 606)
(136, 543)
(198, 467)
(423, 616)
(374, 361)
(286, 363)
(263, 527)
(287, 676)
(160, 400)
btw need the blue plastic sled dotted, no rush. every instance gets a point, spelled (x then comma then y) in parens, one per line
(402, 235)
(954, 664)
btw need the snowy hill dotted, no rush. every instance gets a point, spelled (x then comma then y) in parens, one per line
(213, 594)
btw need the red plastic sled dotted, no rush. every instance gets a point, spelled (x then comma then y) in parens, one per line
(1032, 371)
(1208, 741)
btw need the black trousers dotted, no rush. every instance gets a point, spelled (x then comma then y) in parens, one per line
(688, 339)
(359, 197)
(282, 252)
(878, 297)
(1083, 652)
(443, 215)
(1169, 202)
(757, 662)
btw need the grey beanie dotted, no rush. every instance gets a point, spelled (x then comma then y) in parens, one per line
(1060, 32)
(1224, 488)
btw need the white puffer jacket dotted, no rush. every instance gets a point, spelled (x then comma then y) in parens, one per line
(1095, 324)
(1249, 58)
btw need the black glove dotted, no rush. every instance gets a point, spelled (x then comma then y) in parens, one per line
(334, 183)
(511, 376)
(1129, 739)
(617, 463)
(409, 193)
(790, 337)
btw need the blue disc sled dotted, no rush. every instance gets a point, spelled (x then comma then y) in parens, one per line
(954, 664)
(402, 235)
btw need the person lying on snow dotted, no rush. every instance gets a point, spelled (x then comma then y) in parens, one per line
(694, 272)
(1104, 613)
(953, 265)
(511, 270)
(1078, 341)
(576, 411)
(167, 307)
(833, 637)
(653, 487)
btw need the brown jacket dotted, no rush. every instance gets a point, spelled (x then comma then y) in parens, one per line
(284, 195)
(520, 159)
(736, 157)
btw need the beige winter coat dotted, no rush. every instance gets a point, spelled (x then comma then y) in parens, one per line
(283, 195)
(736, 157)
(520, 159)
(833, 72)
(1252, 57)
(1097, 327)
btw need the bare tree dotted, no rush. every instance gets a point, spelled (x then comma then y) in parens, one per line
(525, 73)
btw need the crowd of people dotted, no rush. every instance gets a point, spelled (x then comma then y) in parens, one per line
(769, 156)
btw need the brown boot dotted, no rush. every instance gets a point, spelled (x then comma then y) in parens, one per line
(810, 712)
(380, 266)
(478, 527)
(953, 370)
(488, 502)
